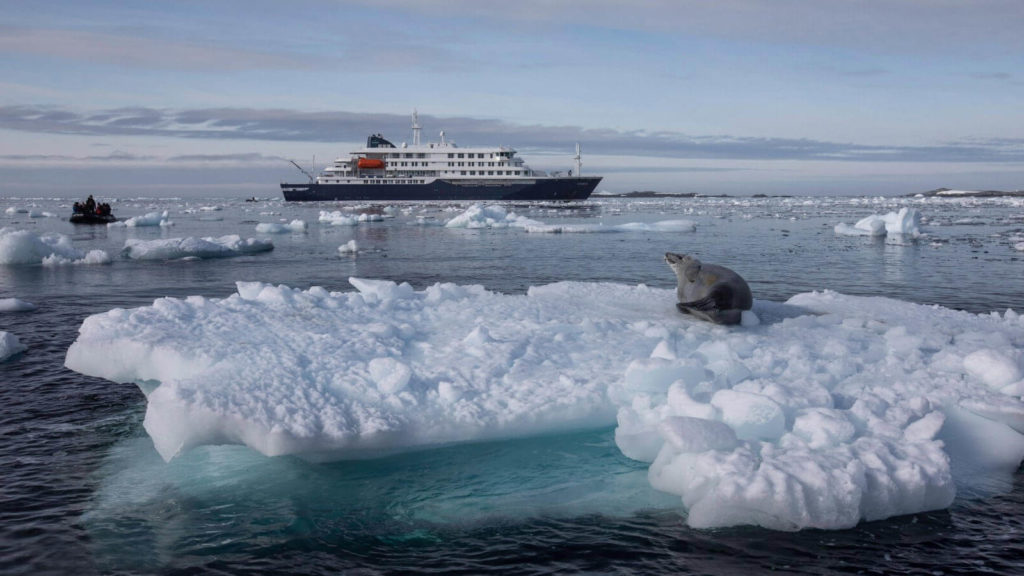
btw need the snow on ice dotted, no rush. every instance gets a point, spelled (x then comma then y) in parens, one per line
(831, 410)
(18, 247)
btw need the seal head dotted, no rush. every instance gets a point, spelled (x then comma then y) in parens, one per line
(708, 291)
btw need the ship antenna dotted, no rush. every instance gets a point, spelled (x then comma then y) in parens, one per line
(415, 128)
(579, 160)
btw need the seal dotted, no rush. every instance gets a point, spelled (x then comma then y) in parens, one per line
(708, 291)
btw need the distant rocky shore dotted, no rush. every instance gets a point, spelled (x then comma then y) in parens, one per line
(948, 193)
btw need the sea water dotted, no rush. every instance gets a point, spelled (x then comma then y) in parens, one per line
(83, 490)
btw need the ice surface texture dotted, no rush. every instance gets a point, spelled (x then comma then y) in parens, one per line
(832, 410)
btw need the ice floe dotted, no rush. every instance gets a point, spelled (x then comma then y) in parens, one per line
(903, 224)
(15, 305)
(192, 247)
(496, 216)
(833, 410)
(489, 216)
(149, 219)
(337, 218)
(10, 345)
(295, 226)
(49, 249)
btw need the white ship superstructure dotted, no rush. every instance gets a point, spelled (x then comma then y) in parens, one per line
(440, 170)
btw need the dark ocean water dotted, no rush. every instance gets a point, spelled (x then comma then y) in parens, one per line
(83, 491)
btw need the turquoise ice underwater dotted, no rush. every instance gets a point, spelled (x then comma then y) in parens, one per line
(832, 410)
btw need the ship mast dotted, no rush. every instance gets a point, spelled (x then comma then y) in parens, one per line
(579, 160)
(415, 128)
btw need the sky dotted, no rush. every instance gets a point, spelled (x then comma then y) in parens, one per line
(740, 97)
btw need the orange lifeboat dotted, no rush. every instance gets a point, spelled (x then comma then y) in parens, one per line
(370, 163)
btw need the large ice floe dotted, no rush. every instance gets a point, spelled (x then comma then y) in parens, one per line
(18, 247)
(832, 410)
(192, 247)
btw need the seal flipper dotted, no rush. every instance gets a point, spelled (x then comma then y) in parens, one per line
(705, 309)
(706, 304)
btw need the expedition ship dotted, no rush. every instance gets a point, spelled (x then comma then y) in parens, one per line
(437, 171)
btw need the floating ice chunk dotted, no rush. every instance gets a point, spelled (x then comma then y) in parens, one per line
(15, 305)
(905, 223)
(10, 345)
(24, 247)
(349, 247)
(495, 216)
(337, 218)
(489, 216)
(295, 226)
(91, 257)
(663, 226)
(149, 219)
(173, 248)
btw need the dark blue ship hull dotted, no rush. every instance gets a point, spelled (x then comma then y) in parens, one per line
(549, 189)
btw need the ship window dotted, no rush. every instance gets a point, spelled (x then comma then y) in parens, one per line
(450, 155)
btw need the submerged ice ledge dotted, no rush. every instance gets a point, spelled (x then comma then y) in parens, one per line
(835, 409)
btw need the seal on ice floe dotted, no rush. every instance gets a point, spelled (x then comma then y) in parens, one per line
(710, 292)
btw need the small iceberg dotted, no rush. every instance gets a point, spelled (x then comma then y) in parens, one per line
(349, 247)
(903, 224)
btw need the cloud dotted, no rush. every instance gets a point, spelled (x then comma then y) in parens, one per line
(139, 51)
(279, 125)
(908, 26)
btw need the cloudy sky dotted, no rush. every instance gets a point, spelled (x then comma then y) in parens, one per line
(197, 98)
